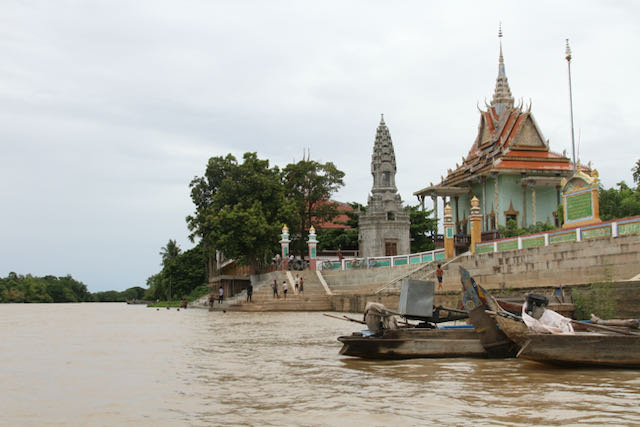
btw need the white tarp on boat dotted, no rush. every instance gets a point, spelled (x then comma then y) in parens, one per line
(550, 322)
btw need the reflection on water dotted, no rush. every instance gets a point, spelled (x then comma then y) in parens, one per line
(113, 364)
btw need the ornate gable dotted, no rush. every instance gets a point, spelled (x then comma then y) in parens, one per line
(528, 136)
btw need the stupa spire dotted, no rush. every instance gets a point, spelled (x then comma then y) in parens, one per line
(383, 160)
(502, 94)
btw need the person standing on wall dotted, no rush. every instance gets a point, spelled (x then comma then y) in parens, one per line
(249, 292)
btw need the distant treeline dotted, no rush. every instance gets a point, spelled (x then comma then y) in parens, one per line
(19, 288)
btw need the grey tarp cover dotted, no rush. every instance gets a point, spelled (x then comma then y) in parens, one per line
(377, 317)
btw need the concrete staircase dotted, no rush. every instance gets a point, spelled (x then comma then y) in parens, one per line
(314, 297)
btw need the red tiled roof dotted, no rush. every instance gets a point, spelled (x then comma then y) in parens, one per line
(340, 218)
(503, 149)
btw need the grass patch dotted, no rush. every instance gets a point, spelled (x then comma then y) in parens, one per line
(597, 298)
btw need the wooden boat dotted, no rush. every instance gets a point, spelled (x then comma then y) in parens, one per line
(494, 341)
(583, 349)
(591, 344)
(409, 343)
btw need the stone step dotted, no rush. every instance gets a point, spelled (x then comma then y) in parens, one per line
(314, 297)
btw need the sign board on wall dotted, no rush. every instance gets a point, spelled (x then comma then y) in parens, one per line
(580, 200)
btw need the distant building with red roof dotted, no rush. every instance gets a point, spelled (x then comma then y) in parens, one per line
(340, 220)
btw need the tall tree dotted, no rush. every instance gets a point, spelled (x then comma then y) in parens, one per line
(309, 186)
(240, 208)
(636, 172)
(169, 252)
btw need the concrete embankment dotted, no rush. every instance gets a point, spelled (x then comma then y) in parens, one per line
(510, 273)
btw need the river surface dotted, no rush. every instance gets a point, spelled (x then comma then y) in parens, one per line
(125, 365)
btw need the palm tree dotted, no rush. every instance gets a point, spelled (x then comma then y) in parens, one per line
(636, 172)
(169, 253)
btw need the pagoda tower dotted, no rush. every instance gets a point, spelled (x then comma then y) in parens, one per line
(384, 229)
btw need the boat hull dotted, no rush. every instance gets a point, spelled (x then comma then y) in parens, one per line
(414, 343)
(583, 349)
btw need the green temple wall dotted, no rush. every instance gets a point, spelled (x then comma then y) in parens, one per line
(509, 194)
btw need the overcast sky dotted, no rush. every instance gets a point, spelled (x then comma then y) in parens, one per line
(109, 108)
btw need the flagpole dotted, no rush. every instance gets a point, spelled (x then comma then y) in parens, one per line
(573, 143)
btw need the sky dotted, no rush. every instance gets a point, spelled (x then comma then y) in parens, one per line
(108, 109)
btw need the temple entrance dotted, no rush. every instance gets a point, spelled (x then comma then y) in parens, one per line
(390, 249)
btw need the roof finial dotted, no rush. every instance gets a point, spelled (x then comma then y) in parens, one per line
(382, 118)
(502, 93)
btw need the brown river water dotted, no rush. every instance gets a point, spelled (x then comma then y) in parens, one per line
(120, 365)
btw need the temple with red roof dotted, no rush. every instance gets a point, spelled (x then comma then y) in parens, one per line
(510, 168)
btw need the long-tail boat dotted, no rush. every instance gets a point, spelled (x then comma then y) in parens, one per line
(410, 343)
(599, 344)
(384, 339)
(494, 340)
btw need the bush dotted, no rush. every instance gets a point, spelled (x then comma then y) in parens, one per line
(597, 298)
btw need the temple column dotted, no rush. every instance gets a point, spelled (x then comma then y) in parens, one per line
(312, 242)
(447, 223)
(496, 198)
(284, 245)
(484, 203)
(524, 206)
(533, 201)
(434, 199)
(476, 228)
(457, 221)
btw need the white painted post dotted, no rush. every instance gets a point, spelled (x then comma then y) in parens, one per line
(578, 235)
(495, 246)
(519, 242)
(546, 239)
(614, 229)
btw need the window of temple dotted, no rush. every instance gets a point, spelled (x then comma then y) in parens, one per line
(391, 216)
(511, 213)
(386, 179)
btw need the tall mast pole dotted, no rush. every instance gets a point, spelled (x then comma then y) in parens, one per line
(573, 143)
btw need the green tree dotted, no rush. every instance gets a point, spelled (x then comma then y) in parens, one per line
(421, 229)
(240, 209)
(309, 186)
(342, 238)
(619, 203)
(636, 172)
(169, 254)
(133, 293)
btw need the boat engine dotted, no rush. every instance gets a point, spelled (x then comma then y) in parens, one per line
(535, 305)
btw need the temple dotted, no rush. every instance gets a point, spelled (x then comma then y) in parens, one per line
(384, 228)
(510, 169)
